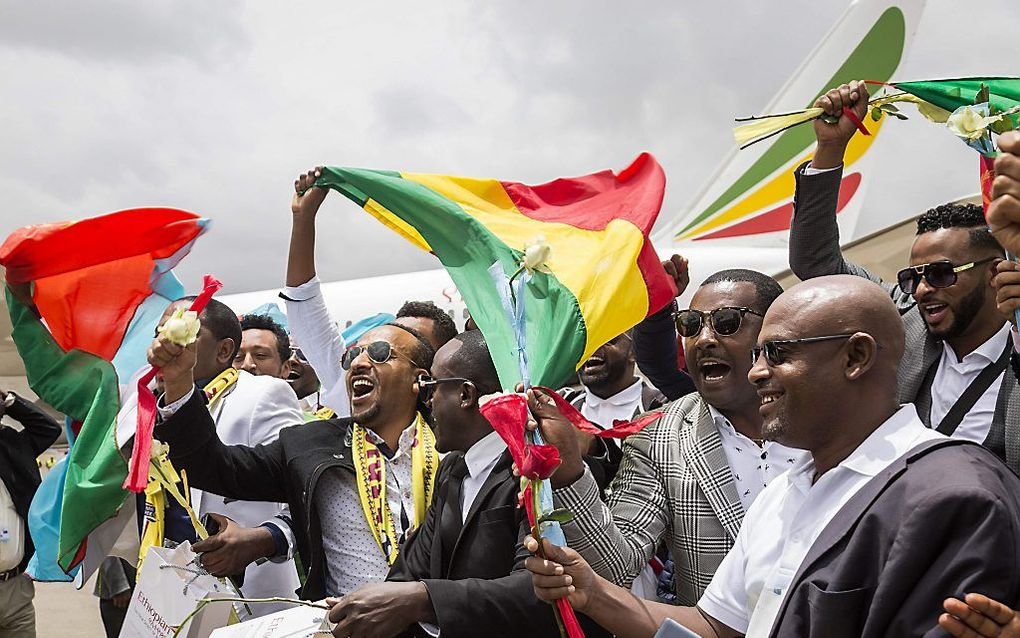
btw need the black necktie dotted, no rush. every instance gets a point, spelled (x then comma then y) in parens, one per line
(451, 519)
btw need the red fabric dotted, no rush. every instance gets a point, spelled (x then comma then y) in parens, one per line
(45, 250)
(592, 201)
(847, 111)
(620, 429)
(138, 467)
(987, 173)
(540, 461)
(508, 414)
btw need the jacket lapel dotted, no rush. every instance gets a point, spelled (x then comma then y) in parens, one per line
(702, 448)
(496, 477)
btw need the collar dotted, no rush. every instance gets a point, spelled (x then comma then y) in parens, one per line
(891, 440)
(719, 419)
(405, 442)
(628, 396)
(484, 453)
(987, 352)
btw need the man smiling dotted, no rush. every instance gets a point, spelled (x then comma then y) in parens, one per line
(332, 473)
(954, 368)
(687, 479)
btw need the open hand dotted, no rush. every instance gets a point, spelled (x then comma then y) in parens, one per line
(979, 617)
(380, 610)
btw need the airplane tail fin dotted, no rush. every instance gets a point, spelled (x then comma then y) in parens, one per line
(749, 199)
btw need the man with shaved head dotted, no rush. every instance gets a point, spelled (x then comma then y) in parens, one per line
(865, 537)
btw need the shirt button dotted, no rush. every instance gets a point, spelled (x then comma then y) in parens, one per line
(407, 495)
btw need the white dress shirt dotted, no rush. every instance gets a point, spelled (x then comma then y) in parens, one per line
(321, 341)
(12, 532)
(353, 557)
(753, 467)
(622, 406)
(787, 518)
(480, 459)
(954, 376)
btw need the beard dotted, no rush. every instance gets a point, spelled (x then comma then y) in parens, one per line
(776, 428)
(963, 315)
(366, 415)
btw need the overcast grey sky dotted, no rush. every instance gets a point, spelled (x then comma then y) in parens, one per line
(216, 106)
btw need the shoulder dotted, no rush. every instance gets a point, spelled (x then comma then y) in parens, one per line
(326, 430)
(679, 418)
(651, 398)
(960, 467)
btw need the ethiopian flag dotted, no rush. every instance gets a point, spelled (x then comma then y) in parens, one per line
(84, 299)
(602, 275)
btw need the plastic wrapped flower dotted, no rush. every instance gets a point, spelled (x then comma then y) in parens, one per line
(181, 327)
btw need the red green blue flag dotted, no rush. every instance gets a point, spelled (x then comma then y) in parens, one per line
(84, 299)
(601, 276)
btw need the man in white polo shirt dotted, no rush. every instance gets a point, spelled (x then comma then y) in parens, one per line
(869, 535)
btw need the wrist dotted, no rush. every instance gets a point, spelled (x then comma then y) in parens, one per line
(176, 388)
(567, 473)
(419, 603)
(262, 543)
(828, 155)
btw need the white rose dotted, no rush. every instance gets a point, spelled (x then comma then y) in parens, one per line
(969, 122)
(181, 327)
(536, 254)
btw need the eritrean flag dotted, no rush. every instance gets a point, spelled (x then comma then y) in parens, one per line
(603, 274)
(84, 299)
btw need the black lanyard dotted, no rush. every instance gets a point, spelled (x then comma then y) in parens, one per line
(974, 391)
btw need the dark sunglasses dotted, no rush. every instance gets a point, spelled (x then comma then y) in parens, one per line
(377, 351)
(725, 321)
(773, 350)
(427, 386)
(299, 355)
(938, 274)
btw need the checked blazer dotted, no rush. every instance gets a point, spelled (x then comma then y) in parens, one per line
(674, 485)
(814, 251)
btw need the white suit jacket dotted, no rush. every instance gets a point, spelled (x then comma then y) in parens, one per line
(254, 411)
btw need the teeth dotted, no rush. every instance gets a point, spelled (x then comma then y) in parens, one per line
(765, 400)
(362, 383)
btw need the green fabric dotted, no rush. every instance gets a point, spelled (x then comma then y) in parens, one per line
(555, 330)
(1004, 93)
(84, 387)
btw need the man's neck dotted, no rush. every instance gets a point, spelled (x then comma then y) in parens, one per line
(975, 337)
(612, 388)
(745, 419)
(391, 429)
(847, 437)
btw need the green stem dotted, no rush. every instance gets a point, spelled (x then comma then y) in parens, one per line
(205, 601)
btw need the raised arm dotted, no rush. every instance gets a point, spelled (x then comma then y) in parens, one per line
(309, 321)
(655, 344)
(40, 428)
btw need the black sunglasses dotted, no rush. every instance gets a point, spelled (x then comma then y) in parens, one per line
(427, 386)
(299, 355)
(377, 351)
(773, 350)
(725, 321)
(938, 274)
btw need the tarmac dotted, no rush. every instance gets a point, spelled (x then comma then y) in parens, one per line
(62, 611)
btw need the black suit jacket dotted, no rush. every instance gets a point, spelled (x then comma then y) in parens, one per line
(486, 588)
(941, 521)
(18, 451)
(285, 471)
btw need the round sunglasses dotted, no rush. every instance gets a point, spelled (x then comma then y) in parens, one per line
(377, 351)
(725, 321)
(938, 274)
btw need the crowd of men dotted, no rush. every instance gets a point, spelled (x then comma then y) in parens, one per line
(836, 459)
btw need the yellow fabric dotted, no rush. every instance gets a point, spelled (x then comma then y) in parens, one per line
(614, 282)
(163, 480)
(370, 474)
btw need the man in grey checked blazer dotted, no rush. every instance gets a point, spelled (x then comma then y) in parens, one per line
(963, 316)
(675, 483)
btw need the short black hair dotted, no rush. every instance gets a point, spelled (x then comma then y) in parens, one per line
(969, 216)
(265, 322)
(474, 362)
(445, 328)
(766, 288)
(221, 321)
(424, 353)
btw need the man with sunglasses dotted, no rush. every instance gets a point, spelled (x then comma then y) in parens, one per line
(462, 573)
(354, 485)
(687, 479)
(954, 368)
(866, 536)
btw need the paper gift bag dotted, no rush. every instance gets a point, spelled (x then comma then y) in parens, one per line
(299, 622)
(168, 589)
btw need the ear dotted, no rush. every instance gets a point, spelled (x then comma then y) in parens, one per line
(225, 351)
(468, 396)
(862, 352)
(419, 374)
(285, 370)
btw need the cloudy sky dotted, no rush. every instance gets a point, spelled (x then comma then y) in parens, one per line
(216, 106)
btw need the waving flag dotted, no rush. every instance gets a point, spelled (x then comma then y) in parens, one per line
(602, 275)
(99, 287)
